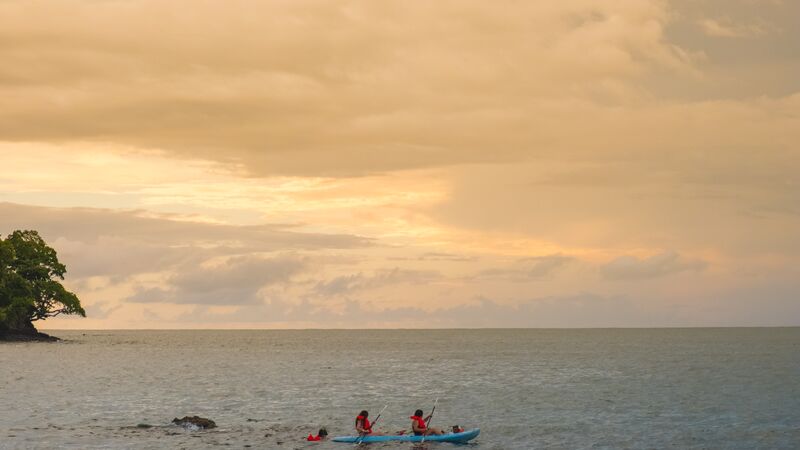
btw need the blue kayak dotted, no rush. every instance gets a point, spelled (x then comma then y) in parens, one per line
(459, 438)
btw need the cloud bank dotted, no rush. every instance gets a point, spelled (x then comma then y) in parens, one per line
(461, 163)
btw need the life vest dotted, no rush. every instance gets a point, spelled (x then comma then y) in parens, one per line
(367, 426)
(313, 438)
(420, 422)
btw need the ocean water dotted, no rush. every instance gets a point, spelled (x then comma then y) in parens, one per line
(564, 389)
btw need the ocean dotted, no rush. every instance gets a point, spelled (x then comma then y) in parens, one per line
(725, 388)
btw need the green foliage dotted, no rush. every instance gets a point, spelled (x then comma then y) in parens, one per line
(29, 286)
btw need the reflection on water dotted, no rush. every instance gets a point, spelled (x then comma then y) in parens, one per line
(689, 388)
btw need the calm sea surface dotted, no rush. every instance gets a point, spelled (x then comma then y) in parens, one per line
(658, 388)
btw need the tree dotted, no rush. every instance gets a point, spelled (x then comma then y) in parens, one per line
(29, 286)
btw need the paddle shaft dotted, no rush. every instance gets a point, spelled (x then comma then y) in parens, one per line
(377, 417)
(360, 438)
(430, 416)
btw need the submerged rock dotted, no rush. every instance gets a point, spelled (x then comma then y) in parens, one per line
(194, 421)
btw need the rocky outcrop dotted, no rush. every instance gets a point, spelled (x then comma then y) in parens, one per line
(26, 334)
(194, 421)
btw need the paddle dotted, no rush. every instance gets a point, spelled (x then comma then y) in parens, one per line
(430, 416)
(360, 438)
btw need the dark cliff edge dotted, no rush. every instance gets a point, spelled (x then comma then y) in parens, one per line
(30, 334)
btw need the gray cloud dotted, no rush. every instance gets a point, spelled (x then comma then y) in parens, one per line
(581, 310)
(101, 310)
(118, 258)
(655, 207)
(90, 224)
(528, 269)
(117, 244)
(121, 244)
(347, 284)
(315, 88)
(725, 28)
(435, 256)
(237, 281)
(600, 127)
(633, 268)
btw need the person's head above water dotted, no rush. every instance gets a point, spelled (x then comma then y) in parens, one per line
(322, 432)
(418, 413)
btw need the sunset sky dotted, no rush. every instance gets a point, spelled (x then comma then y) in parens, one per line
(294, 164)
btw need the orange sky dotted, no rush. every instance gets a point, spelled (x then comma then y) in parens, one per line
(297, 164)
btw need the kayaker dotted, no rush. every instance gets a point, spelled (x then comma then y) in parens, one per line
(457, 429)
(363, 427)
(420, 427)
(321, 434)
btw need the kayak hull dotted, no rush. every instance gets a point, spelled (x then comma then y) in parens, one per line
(459, 438)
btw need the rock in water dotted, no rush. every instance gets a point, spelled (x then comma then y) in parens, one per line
(196, 421)
(27, 334)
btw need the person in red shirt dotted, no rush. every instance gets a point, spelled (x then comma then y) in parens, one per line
(363, 427)
(420, 427)
(321, 434)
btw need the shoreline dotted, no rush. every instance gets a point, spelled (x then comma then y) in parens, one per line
(27, 336)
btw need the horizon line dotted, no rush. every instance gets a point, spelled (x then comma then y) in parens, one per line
(428, 329)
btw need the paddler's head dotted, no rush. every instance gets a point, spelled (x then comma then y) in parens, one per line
(364, 414)
(418, 413)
